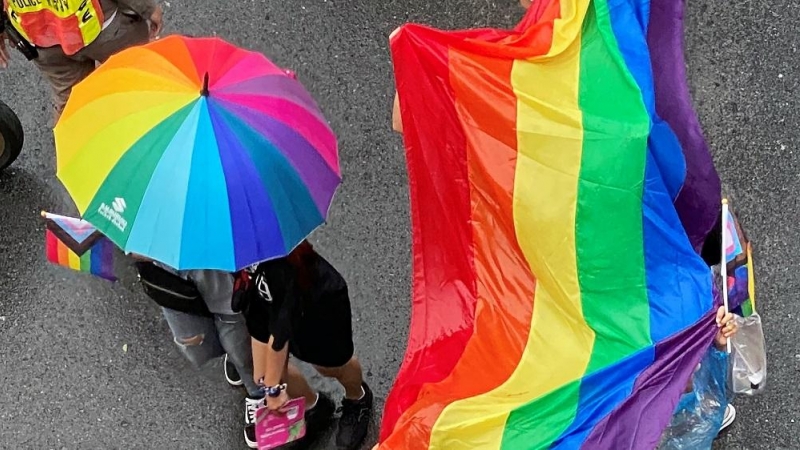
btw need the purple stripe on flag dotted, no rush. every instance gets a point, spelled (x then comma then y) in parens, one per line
(639, 421)
(698, 202)
(102, 259)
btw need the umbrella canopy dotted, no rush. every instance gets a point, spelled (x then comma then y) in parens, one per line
(198, 154)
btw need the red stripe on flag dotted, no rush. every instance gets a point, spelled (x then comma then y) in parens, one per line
(52, 247)
(444, 289)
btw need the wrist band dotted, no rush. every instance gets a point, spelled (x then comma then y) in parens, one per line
(275, 391)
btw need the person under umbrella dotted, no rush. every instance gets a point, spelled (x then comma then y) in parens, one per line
(197, 307)
(300, 305)
(197, 154)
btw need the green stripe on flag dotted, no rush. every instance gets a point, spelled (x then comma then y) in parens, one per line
(86, 261)
(609, 214)
(608, 217)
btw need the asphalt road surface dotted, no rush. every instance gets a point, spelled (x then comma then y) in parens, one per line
(66, 381)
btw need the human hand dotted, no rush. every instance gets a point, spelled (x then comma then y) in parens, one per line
(5, 57)
(156, 22)
(727, 328)
(397, 121)
(525, 3)
(277, 403)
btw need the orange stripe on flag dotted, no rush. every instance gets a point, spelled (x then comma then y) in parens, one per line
(490, 158)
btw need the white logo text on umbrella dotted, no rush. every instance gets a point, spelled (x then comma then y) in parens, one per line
(114, 213)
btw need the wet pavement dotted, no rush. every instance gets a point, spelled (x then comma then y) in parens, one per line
(85, 364)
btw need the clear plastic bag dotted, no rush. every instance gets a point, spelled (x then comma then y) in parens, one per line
(699, 414)
(749, 372)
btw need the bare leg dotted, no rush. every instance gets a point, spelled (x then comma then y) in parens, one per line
(297, 386)
(350, 376)
(296, 383)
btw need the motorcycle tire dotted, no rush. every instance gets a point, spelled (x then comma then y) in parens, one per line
(11, 136)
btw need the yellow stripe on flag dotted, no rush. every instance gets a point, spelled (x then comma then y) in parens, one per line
(74, 260)
(550, 140)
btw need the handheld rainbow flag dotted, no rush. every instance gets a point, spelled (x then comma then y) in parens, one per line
(739, 263)
(559, 300)
(76, 244)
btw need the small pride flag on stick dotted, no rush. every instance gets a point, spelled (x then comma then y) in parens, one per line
(739, 265)
(76, 244)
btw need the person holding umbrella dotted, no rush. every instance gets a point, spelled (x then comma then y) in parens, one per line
(197, 307)
(199, 155)
(300, 305)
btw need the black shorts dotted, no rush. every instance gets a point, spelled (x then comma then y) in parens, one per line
(323, 336)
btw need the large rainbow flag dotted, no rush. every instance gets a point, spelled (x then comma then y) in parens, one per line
(560, 191)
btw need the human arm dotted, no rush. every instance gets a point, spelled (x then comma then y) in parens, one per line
(268, 315)
(5, 56)
(275, 362)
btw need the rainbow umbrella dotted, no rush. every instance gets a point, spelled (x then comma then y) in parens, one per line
(197, 154)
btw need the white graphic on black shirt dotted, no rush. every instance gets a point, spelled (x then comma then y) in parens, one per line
(263, 288)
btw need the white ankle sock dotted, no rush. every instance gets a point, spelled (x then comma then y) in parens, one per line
(363, 394)
(316, 400)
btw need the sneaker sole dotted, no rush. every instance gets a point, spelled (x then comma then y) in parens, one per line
(249, 443)
(231, 382)
(234, 383)
(729, 420)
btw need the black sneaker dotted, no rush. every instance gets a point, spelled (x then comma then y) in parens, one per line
(354, 424)
(231, 374)
(319, 418)
(250, 407)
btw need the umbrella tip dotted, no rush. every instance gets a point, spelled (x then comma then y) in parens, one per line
(204, 92)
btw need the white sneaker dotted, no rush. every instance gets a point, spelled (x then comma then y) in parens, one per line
(729, 417)
(251, 405)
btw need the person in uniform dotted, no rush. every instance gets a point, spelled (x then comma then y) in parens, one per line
(72, 37)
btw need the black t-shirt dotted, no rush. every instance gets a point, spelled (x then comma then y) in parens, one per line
(276, 301)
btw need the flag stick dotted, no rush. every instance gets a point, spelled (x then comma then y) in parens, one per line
(724, 264)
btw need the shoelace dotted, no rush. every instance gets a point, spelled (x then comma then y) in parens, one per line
(252, 407)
